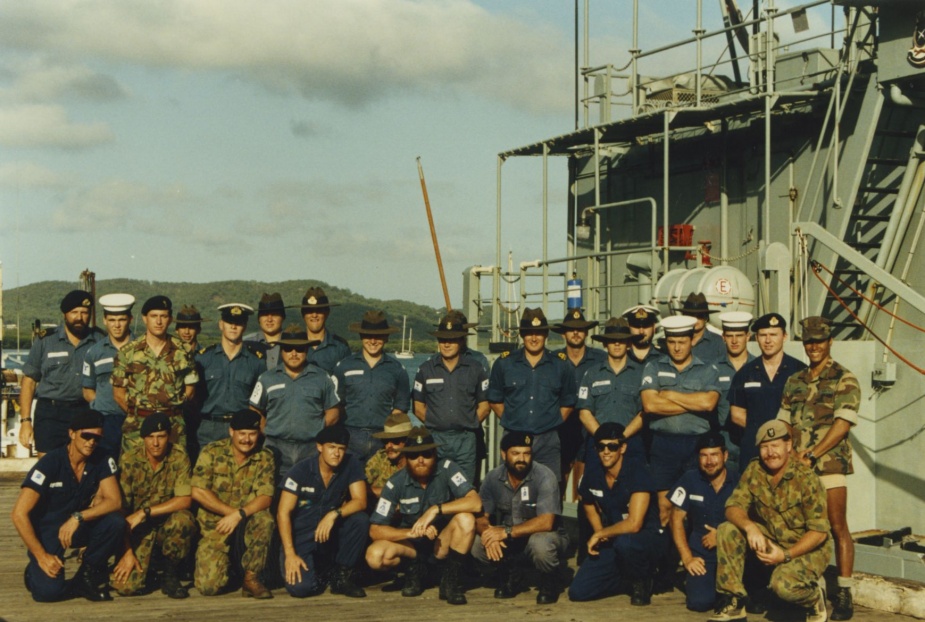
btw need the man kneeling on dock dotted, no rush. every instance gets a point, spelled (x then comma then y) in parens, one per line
(53, 514)
(155, 480)
(435, 504)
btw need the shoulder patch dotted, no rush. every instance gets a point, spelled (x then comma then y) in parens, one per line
(678, 496)
(112, 466)
(505, 354)
(383, 507)
(203, 350)
(290, 485)
(562, 356)
(38, 477)
(459, 479)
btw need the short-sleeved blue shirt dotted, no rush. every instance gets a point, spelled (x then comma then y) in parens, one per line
(314, 499)
(480, 358)
(331, 351)
(60, 494)
(696, 377)
(96, 370)
(57, 366)
(760, 397)
(270, 350)
(695, 495)
(532, 396)
(536, 495)
(451, 397)
(711, 348)
(726, 372)
(591, 359)
(610, 397)
(613, 502)
(370, 394)
(403, 494)
(227, 383)
(294, 407)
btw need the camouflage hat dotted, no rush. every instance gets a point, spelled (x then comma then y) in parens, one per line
(516, 439)
(533, 320)
(451, 327)
(641, 316)
(575, 320)
(157, 303)
(315, 299)
(770, 320)
(816, 329)
(397, 425)
(76, 298)
(419, 439)
(373, 323)
(615, 329)
(188, 316)
(156, 422)
(271, 304)
(696, 304)
(771, 431)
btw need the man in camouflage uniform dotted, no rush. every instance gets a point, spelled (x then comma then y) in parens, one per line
(778, 513)
(233, 485)
(152, 374)
(821, 403)
(155, 481)
(389, 460)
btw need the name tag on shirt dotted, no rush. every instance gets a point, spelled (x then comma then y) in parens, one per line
(525, 493)
(275, 387)
(54, 355)
(597, 493)
(434, 381)
(353, 372)
(667, 374)
(696, 497)
(409, 501)
(601, 383)
(752, 385)
(724, 378)
(104, 361)
(56, 485)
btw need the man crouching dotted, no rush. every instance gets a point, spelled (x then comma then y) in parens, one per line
(434, 503)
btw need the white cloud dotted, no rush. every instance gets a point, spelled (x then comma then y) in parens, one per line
(39, 79)
(32, 175)
(48, 126)
(351, 51)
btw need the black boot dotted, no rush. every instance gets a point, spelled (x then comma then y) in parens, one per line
(451, 582)
(843, 604)
(170, 581)
(507, 581)
(342, 583)
(89, 584)
(414, 579)
(642, 593)
(548, 589)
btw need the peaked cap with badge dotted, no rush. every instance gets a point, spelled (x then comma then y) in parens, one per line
(235, 312)
(641, 316)
(770, 320)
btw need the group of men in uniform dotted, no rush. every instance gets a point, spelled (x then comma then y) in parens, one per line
(292, 426)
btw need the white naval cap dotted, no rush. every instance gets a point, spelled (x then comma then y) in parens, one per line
(236, 312)
(117, 303)
(678, 325)
(735, 320)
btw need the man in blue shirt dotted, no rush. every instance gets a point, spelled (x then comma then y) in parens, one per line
(450, 397)
(521, 508)
(52, 375)
(322, 518)
(97, 388)
(699, 500)
(329, 349)
(371, 385)
(297, 401)
(756, 390)
(735, 336)
(53, 513)
(229, 372)
(532, 390)
(708, 345)
(271, 313)
(427, 507)
(619, 498)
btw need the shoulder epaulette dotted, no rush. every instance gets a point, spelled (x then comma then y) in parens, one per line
(505, 354)
(205, 349)
(255, 348)
(340, 339)
(562, 356)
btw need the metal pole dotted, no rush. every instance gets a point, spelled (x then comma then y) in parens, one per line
(496, 281)
(698, 32)
(665, 163)
(545, 226)
(587, 51)
(635, 52)
(594, 276)
(724, 198)
(433, 236)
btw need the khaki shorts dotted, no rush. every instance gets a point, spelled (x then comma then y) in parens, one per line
(834, 480)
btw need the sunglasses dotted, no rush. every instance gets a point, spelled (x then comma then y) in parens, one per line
(90, 436)
(414, 455)
(614, 447)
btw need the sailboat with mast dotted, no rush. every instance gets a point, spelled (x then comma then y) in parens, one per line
(405, 352)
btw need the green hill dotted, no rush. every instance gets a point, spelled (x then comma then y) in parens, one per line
(40, 301)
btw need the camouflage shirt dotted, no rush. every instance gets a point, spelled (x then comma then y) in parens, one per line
(154, 381)
(233, 483)
(144, 486)
(811, 406)
(789, 509)
(379, 469)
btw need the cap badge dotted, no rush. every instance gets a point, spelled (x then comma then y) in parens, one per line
(312, 300)
(449, 325)
(536, 322)
(641, 314)
(576, 314)
(773, 321)
(771, 433)
(235, 311)
(86, 302)
(527, 440)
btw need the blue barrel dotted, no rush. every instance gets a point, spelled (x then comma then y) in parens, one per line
(573, 290)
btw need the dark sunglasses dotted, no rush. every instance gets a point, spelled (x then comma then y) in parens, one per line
(287, 348)
(414, 455)
(90, 436)
(614, 447)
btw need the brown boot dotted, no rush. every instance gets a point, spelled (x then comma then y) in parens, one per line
(253, 587)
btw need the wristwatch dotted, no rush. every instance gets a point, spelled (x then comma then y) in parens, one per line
(77, 516)
(811, 457)
(339, 512)
(507, 531)
(147, 512)
(787, 557)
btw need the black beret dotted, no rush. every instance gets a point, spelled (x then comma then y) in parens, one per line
(709, 440)
(608, 431)
(769, 320)
(86, 419)
(159, 303)
(245, 419)
(337, 434)
(516, 439)
(157, 422)
(76, 298)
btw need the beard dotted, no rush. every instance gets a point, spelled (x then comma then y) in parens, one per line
(518, 469)
(79, 328)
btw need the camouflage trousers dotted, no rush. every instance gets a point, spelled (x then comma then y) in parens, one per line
(213, 557)
(794, 582)
(174, 536)
(131, 432)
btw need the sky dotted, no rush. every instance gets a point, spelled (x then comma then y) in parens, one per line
(204, 140)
